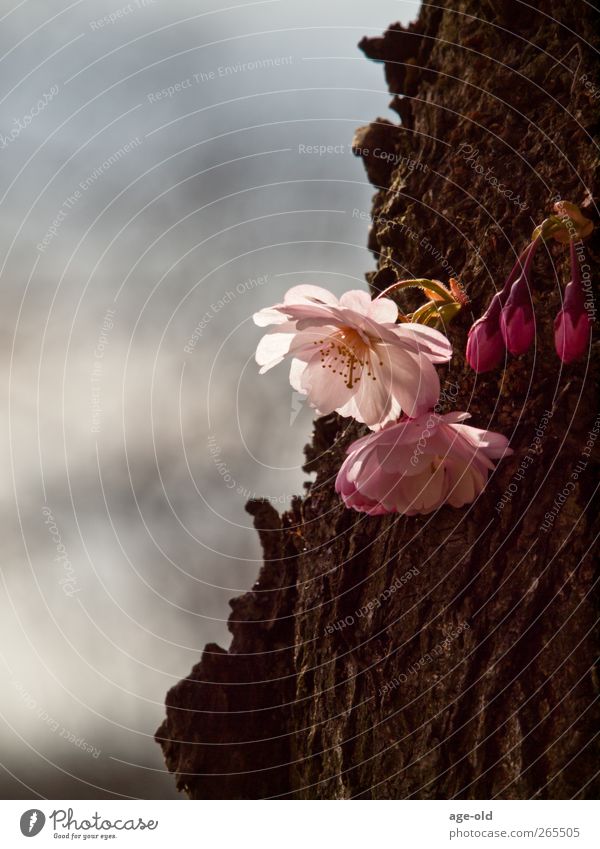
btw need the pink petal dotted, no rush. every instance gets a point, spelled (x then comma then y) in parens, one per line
(326, 391)
(384, 472)
(485, 345)
(491, 444)
(307, 293)
(383, 310)
(312, 313)
(398, 459)
(455, 418)
(372, 397)
(356, 300)
(427, 491)
(571, 339)
(465, 484)
(427, 341)
(416, 385)
(307, 342)
(518, 328)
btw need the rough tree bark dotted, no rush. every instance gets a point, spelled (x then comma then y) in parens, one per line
(472, 678)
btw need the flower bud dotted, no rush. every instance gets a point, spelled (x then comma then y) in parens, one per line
(572, 326)
(517, 321)
(485, 345)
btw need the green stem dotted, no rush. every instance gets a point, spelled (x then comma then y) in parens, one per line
(419, 283)
(552, 225)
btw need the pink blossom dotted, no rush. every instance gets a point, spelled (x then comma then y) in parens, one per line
(572, 326)
(417, 465)
(350, 356)
(485, 345)
(508, 322)
(571, 335)
(517, 321)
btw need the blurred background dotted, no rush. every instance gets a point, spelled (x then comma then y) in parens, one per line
(160, 181)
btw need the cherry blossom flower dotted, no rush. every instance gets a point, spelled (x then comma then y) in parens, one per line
(572, 326)
(417, 465)
(349, 355)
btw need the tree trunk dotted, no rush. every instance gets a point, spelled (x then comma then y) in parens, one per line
(443, 656)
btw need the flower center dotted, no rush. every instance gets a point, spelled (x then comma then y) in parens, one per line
(345, 353)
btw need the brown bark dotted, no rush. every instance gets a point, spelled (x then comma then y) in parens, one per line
(472, 679)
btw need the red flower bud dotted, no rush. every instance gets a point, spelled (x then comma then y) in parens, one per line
(572, 326)
(517, 321)
(485, 345)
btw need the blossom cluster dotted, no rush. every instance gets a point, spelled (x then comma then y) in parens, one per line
(508, 324)
(360, 357)
(352, 356)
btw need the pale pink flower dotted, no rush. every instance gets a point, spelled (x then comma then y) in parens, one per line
(350, 356)
(417, 465)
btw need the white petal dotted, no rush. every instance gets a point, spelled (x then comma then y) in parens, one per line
(270, 315)
(296, 371)
(271, 349)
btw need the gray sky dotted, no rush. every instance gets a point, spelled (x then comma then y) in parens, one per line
(155, 181)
